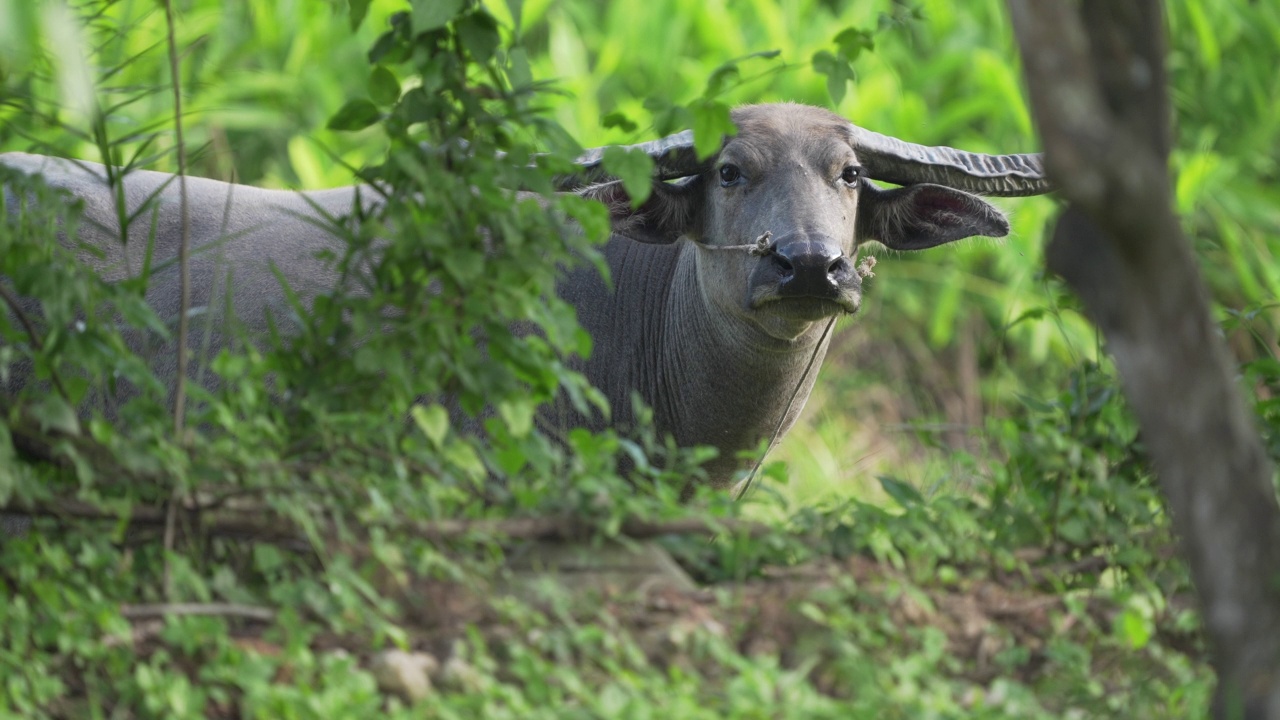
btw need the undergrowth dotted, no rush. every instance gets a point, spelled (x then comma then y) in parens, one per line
(265, 565)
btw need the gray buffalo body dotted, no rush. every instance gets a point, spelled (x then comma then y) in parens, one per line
(723, 282)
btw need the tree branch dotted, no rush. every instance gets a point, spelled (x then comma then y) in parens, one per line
(247, 612)
(1097, 86)
(267, 526)
(184, 285)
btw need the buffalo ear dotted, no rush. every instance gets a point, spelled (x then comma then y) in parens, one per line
(915, 217)
(671, 210)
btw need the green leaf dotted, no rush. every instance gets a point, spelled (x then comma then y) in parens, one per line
(432, 420)
(722, 78)
(384, 88)
(516, 8)
(464, 266)
(852, 41)
(776, 471)
(432, 14)
(617, 119)
(837, 70)
(518, 415)
(478, 33)
(465, 458)
(357, 114)
(1036, 403)
(54, 413)
(634, 168)
(711, 123)
(902, 493)
(518, 71)
(357, 10)
(1135, 629)
(383, 46)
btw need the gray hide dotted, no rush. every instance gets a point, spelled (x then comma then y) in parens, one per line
(724, 281)
(237, 233)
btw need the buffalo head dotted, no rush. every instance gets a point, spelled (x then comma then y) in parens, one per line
(777, 215)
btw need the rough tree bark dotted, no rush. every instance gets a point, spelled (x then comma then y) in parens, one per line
(1095, 75)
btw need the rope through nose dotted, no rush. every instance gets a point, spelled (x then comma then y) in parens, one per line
(763, 246)
(759, 248)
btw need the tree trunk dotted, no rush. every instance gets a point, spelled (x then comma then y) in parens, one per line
(1095, 74)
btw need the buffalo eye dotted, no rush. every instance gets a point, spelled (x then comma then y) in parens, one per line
(851, 174)
(730, 175)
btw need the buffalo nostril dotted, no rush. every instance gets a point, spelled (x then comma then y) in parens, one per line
(839, 268)
(785, 268)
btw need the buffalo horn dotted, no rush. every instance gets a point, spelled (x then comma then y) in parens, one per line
(885, 158)
(903, 163)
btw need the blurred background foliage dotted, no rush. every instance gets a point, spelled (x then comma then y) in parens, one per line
(949, 339)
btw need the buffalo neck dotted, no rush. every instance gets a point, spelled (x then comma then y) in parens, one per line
(712, 377)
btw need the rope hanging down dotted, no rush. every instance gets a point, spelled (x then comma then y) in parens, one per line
(761, 247)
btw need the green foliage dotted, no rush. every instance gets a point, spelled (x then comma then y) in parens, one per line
(310, 424)
(838, 66)
(1043, 485)
(1080, 463)
(634, 168)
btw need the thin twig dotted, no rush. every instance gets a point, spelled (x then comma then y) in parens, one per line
(268, 526)
(184, 283)
(12, 302)
(248, 612)
(570, 528)
(745, 485)
(184, 270)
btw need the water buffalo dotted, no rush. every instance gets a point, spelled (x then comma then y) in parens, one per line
(724, 282)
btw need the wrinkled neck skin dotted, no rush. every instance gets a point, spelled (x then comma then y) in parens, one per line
(712, 375)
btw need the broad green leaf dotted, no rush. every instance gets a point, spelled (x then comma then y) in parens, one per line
(464, 266)
(432, 14)
(837, 70)
(384, 88)
(668, 118)
(518, 71)
(776, 471)
(903, 493)
(634, 168)
(479, 35)
(722, 78)
(1135, 629)
(357, 10)
(54, 413)
(711, 123)
(465, 458)
(1036, 404)
(516, 8)
(357, 114)
(852, 41)
(618, 119)
(518, 415)
(432, 420)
